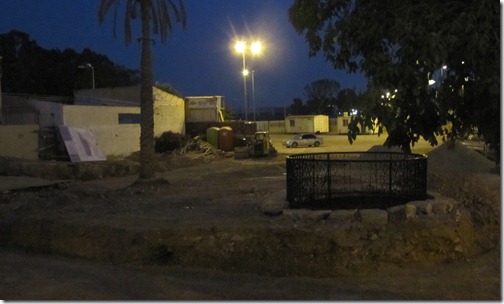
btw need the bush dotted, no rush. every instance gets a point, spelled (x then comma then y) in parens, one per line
(170, 141)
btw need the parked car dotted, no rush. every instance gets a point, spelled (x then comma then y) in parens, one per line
(304, 140)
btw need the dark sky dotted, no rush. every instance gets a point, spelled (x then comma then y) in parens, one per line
(198, 60)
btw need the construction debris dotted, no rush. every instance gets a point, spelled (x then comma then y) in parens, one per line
(198, 148)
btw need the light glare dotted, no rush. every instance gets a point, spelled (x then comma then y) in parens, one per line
(256, 47)
(240, 46)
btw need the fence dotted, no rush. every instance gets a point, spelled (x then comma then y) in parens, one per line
(352, 180)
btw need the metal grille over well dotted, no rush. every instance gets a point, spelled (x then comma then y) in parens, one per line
(355, 180)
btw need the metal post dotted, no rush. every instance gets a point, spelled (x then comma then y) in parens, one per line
(245, 99)
(1, 110)
(253, 95)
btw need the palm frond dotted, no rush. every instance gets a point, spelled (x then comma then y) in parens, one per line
(165, 22)
(130, 14)
(104, 8)
(155, 19)
(162, 12)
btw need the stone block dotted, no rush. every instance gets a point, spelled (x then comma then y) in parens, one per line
(306, 215)
(402, 212)
(272, 208)
(373, 216)
(442, 206)
(423, 207)
(338, 216)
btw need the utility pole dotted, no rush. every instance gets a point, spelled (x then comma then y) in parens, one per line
(1, 109)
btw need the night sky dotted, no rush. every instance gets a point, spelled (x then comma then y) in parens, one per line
(199, 60)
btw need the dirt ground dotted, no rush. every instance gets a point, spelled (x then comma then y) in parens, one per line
(197, 195)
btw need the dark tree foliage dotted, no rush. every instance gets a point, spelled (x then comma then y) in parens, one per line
(401, 45)
(31, 69)
(347, 100)
(298, 108)
(322, 96)
(326, 98)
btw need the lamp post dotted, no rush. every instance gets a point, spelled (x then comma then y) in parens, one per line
(88, 65)
(255, 49)
(253, 95)
(1, 110)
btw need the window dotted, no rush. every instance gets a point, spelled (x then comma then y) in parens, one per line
(345, 122)
(292, 122)
(129, 118)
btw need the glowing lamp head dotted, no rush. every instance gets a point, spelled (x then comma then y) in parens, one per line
(240, 46)
(256, 47)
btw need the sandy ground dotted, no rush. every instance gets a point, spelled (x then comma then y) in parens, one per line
(44, 277)
(30, 276)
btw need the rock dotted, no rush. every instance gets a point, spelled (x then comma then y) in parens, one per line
(402, 212)
(338, 216)
(458, 248)
(272, 208)
(442, 206)
(307, 215)
(422, 207)
(373, 216)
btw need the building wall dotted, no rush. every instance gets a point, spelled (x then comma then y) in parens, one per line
(169, 113)
(204, 108)
(340, 125)
(272, 126)
(50, 113)
(120, 137)
(20, 141)
(113, 138)
(307, 123)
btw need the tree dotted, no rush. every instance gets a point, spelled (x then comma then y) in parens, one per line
(347, 100)
(399, 46)
(297, 107)
(31, 69)
(157, 14)
(322, 96)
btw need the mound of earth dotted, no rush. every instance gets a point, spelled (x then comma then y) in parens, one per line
(458, 158)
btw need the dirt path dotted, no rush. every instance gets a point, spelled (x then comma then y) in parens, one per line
(41, 277)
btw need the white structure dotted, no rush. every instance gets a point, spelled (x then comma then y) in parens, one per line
(111, 114)
(307, 124)
(204, 108)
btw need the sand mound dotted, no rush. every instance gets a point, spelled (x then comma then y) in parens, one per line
(457, 160)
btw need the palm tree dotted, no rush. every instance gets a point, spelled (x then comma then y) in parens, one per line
(157, 14)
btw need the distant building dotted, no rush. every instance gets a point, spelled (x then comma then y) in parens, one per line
(307, 124)
(204, 108)
(112, 115)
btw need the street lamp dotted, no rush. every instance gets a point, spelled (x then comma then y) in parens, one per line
(88, 65)
(253, 95)
(1, 110)
(255, 49)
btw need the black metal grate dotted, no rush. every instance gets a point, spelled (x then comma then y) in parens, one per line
(347, 180)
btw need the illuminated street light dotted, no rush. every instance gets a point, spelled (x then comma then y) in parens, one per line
(255, 48)
(86, 66)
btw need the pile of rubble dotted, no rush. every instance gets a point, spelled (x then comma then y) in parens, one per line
(197, 148)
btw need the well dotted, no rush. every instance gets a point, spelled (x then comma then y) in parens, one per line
(355, 180)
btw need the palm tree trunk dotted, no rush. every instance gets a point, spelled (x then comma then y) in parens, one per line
(147, 100)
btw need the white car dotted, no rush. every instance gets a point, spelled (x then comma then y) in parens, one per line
(304, 140)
